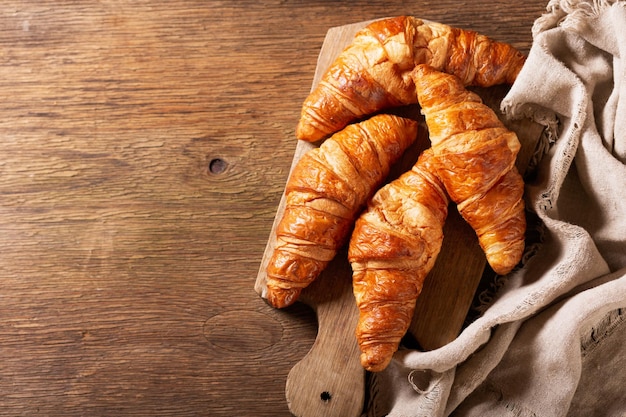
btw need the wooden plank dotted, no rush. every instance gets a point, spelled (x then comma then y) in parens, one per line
(145, 145)
(125, 262)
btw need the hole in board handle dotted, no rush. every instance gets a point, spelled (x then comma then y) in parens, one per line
(325, 396)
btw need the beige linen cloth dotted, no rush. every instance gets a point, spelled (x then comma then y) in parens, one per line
(553, 341)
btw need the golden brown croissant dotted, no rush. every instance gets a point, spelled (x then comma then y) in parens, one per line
(327, 189)
(393, 247)
(475, 155)
(373, 72)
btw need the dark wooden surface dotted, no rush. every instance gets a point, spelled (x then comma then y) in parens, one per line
(145, 146)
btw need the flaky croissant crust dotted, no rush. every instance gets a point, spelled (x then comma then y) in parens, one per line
(393, 247)
(374, 71)
(326, 190)
(476, 157)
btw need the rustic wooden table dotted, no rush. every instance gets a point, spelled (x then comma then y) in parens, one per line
(145, 146)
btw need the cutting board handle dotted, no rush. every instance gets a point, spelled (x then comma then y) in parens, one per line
(329, 381)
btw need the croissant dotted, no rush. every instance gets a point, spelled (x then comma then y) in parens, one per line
(327, 189)
(373, 72)
(476, 156)
(393, 247)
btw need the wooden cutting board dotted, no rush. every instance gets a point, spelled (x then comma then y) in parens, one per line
(329, 381)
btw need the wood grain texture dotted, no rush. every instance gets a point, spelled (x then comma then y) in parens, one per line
(126, 262)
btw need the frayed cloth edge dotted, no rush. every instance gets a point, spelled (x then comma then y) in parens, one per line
(609, 323)
(570, 14)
